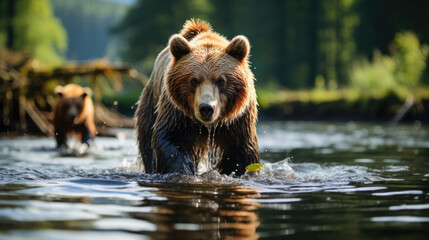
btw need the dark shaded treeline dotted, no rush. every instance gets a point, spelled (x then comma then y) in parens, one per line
(388, 110)
(293, 41)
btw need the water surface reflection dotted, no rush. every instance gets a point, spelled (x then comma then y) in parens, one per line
(203, 211)
(320, 180)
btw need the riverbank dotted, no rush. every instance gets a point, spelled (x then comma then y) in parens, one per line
(343, 105)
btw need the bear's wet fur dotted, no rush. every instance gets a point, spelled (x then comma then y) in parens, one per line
(73, 114)
(201, 91)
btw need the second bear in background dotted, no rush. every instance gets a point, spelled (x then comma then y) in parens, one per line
(73, 114)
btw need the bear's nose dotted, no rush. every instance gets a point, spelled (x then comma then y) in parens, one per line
(72, 113)
(73, 116)
(206, 111)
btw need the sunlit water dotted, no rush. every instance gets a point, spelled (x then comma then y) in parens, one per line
(319, 181)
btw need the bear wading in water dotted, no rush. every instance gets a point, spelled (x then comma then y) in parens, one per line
(199, 104)
(73, 114)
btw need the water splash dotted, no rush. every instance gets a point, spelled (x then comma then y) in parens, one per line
(207, 178)
(75, 148)
(272, 172)
(29, 158)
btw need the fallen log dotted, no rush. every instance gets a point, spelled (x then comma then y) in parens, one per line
(26, 97)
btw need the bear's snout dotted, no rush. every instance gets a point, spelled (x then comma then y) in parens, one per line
(73, 116)
(73, 113)
(206, 111)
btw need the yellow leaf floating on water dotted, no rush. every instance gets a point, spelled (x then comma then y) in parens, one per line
(254, 167)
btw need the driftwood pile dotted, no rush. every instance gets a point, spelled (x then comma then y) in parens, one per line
(27, 98)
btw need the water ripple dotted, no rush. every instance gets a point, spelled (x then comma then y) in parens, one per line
(409, 207)
(408, 192)
(403, 219)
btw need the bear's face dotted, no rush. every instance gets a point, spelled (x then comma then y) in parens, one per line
(72, 107)
(71, 102)
(208, 79)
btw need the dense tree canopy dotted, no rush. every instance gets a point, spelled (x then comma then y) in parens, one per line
(31, 26)
(293, 42)
(149, 24)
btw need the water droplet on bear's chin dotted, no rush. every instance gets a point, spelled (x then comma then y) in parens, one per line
(209, 150)
(213, 155)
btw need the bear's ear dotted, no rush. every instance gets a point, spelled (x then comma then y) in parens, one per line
(59, 91)
(179, 46)
(87, 92)
(238, 48)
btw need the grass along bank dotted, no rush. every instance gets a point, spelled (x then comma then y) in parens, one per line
(344, 104)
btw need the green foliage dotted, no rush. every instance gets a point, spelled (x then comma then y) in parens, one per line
(37, 31)
(3, 23)
(399, 72)
(149, 24)
(374, 78)
(267, 94)
(336, 46)
(293, 41)
(410, 58)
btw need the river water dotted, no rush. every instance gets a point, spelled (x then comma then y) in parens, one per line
(319, 181)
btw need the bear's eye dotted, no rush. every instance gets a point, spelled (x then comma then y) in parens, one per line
(220, 82)
(195, 82)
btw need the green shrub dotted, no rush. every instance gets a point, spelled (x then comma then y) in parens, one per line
(410, 59)
(373, 79)
(400, 72)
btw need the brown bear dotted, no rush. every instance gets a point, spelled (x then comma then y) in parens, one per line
(200, 99)
(73, 114)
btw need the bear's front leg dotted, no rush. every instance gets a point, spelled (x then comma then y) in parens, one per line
(86, 136)
(61, 137)
(171, 154)
(237, 155)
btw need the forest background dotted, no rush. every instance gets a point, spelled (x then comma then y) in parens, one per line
(306, 51)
